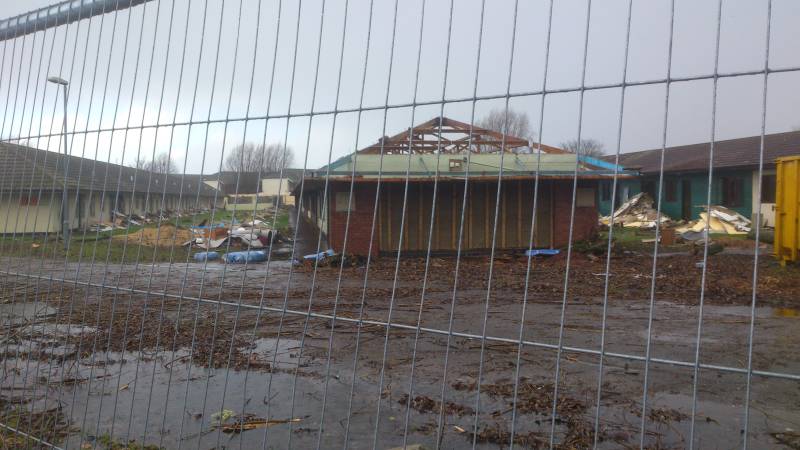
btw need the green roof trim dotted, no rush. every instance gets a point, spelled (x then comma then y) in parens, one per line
(425, 165)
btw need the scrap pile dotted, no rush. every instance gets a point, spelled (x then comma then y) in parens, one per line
(247, 235)
(637, 212)
(719, 220)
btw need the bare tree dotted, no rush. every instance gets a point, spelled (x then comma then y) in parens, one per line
(586, 147)
(251, 157)
(139, 164)
(512, 123)
(161, 164)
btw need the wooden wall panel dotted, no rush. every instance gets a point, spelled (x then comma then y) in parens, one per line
(514, 221)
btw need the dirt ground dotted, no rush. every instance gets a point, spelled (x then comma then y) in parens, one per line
(154, 353)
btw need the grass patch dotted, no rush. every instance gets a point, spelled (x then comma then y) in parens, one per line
(49, 426)
(113, 250)
(104, 246)
(630, 239)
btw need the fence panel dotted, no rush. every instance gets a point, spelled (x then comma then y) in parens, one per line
(350, 223)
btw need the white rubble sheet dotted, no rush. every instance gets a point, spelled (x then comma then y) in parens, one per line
(719, 220)
(637, 212)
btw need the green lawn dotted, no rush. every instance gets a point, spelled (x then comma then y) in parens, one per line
(224, 216)
(631, 239)
(101, 249)
(83, 247)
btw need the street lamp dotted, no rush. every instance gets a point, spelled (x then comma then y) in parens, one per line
(64, 202)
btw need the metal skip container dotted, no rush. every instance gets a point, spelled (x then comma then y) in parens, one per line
(787, 208)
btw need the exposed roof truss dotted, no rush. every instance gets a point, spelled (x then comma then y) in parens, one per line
(443, 135)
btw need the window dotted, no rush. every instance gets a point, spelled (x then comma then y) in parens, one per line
(605, 191)
(670, 191)
(342, 199)
(768, 189)
(266, 199)
(241, 200)
(732, 190)
(649, 188)
(456, 165)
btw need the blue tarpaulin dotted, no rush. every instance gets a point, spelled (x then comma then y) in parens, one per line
(542, 252)
(206, 256)
(243, 257)
(320, 255)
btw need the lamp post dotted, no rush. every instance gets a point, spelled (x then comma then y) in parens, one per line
(64, 201)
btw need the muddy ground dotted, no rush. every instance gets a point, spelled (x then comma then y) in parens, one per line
(152, 352)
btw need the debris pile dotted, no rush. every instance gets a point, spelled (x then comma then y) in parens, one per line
(718, 220)
(214, 231)
(637, 212)
(257, 237)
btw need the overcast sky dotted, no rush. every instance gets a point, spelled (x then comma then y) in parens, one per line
(125, 74)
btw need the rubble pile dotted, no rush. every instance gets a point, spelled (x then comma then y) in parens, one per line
(252, 235)
(718, 220)
(637, 212)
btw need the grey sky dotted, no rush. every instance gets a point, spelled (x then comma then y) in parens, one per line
(738, 103)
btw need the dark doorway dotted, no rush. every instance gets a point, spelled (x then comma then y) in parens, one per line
(686, 199)
(649, 188)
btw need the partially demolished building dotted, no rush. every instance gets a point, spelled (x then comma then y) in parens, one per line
(446, 157)
(685, 188)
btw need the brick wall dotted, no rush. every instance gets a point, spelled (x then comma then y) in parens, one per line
(585, 224)
(360, 219)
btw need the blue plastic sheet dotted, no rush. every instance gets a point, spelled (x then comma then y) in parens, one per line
(206, 256)
(246, 257)
(320, 255)
(542, 252)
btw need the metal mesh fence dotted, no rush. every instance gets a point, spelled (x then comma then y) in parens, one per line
(325, 224)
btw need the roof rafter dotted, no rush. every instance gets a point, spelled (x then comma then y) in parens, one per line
(429, 137)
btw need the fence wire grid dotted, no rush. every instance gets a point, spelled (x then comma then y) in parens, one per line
(423, 224)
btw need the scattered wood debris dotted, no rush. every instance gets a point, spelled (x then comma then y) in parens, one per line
(637, 212)
(718, 220)
(246, 422)
(424, 404)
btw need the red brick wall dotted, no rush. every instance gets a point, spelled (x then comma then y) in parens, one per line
(585, 224)
(360, 219)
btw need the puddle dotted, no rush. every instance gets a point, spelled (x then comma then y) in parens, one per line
(18, 313)
(287, 351)
(173, 404)
(47, 340)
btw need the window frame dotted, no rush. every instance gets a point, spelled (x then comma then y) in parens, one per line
(769, 187)
(732, 192)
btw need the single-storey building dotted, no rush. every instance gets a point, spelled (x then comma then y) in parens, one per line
(685, 189)
(441, 154)
(279, 186)
(32, 185)
(248, 191)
